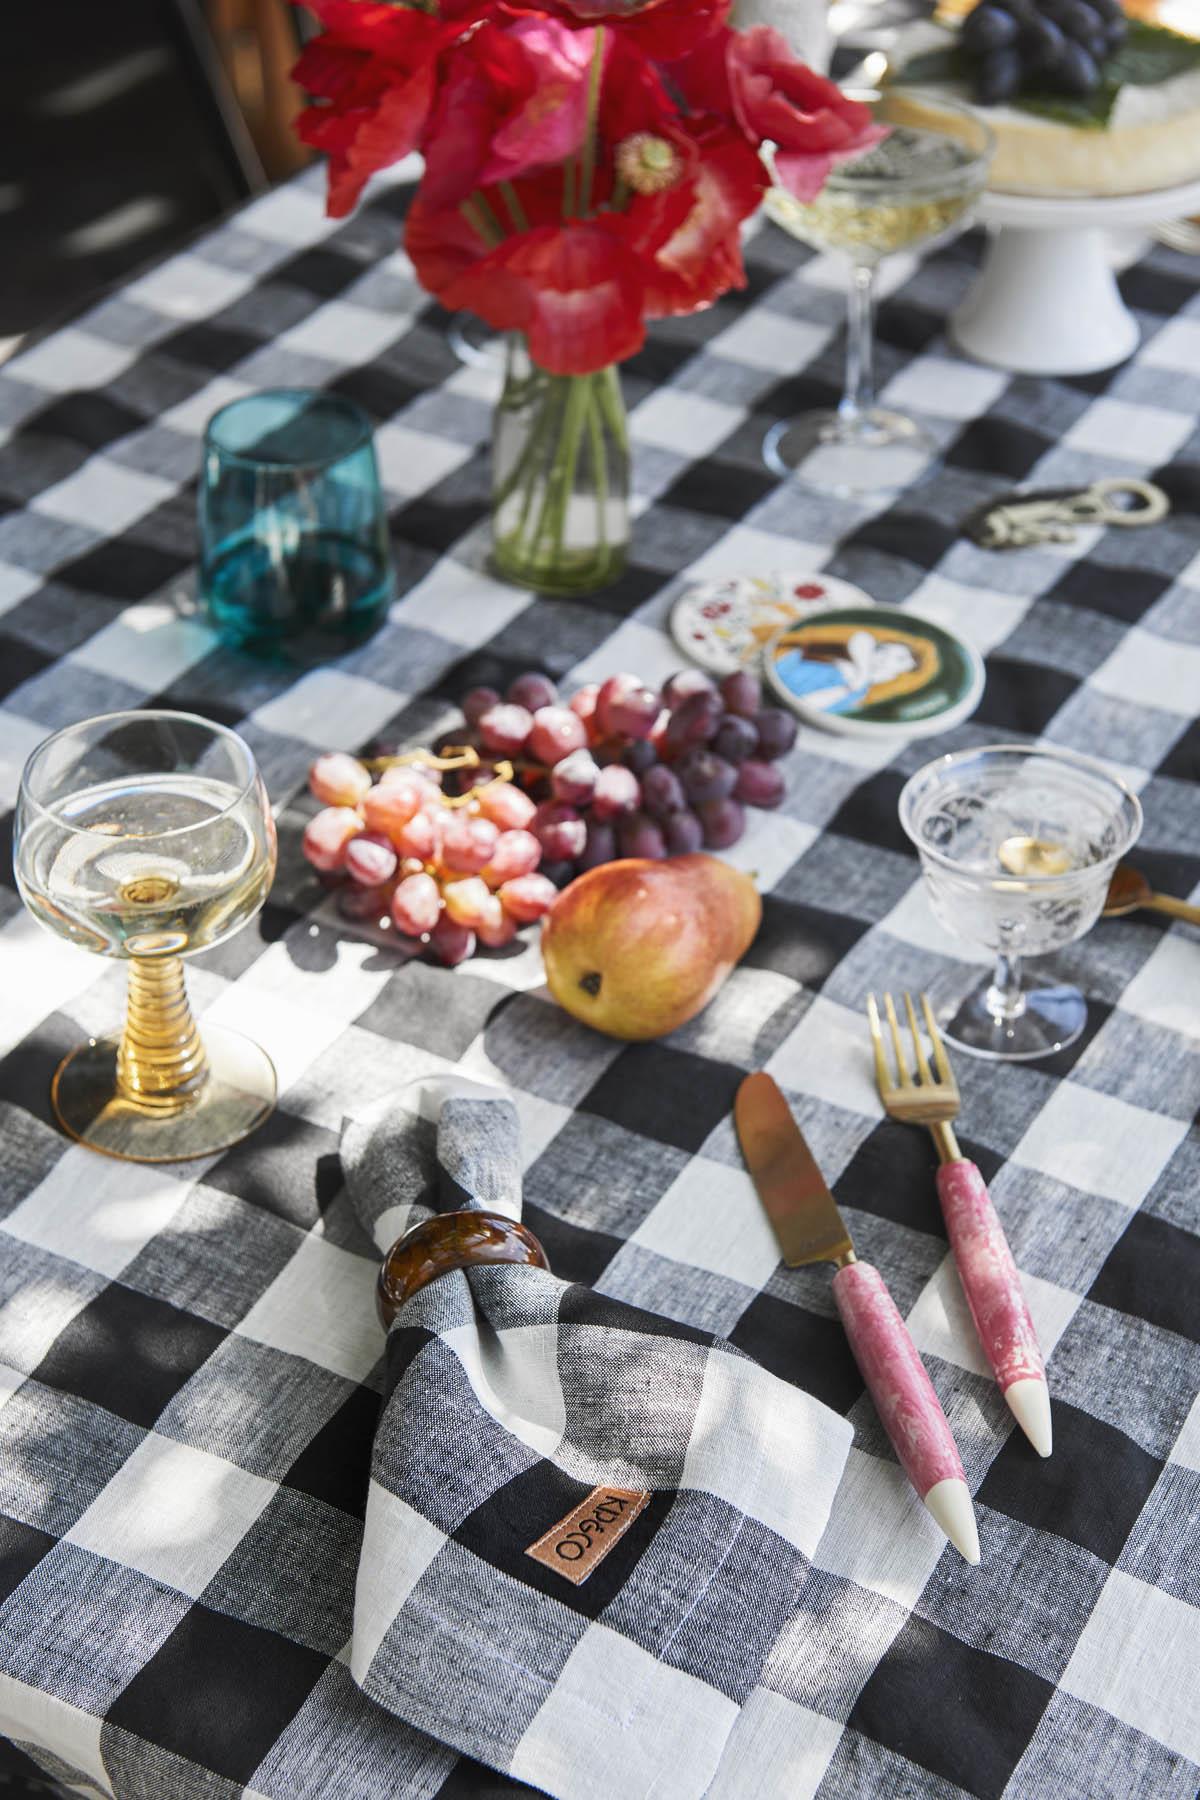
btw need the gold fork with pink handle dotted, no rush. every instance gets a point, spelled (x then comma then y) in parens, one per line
(985, 1262)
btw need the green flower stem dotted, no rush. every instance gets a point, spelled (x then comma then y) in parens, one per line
(516, 211)
(588, 161)
(599, 456)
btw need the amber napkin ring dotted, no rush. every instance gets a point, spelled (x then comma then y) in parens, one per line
(456, 1240)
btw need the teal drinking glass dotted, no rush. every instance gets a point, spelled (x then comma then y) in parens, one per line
(294, 560)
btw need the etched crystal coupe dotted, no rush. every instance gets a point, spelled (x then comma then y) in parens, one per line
(1017, 845)
(148, 836)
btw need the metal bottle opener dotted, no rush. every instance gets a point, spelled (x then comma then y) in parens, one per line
(1054, 517)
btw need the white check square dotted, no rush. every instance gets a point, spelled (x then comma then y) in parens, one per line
(329, 709)
(68, 1733)
(1175, 346)
(345, 333)
(321, 1306)
(673, 1727)
(766, 340)
(828, 1057)
(767, 1448)
(150, 642)
(42, 972)
(96, 1211)
(981, 615)
(1164, 989)
(105, 495)
(454, 600)
(187, 287)
(398, 1546)
(691, 424)
(711, 1218)
(1132, 434)
(411, 461)
(776, 1747)
(1099, 1144)
(19, 738)
(880, 1536)
(174, 1512)
(1138, 1658)
(72, 358)
(950, 389)
(1152, 671)
(15, 584)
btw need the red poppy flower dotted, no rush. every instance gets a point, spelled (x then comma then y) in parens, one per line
(511, 100)
(689, 234)
(374, 69)
(810, 121)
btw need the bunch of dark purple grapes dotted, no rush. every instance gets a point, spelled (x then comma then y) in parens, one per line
(1043, 46)
(620, 770)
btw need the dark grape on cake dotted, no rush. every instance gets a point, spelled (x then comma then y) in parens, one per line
(1044, 46)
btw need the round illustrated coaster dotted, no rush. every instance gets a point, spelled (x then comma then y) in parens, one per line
(865, 670)
(724, 624)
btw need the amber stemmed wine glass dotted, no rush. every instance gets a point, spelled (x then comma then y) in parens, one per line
(148, 836)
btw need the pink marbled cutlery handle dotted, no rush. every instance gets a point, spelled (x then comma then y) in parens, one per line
(896, 1377)
(989, 1275)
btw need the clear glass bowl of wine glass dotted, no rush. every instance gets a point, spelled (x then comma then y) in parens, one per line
(1017, 845)
(148, 836)
(913, 190)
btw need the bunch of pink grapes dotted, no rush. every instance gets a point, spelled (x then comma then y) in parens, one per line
(621, 769)
(447, 877)
(617, 770)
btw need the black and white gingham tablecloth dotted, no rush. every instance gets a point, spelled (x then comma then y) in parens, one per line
(189, 1358)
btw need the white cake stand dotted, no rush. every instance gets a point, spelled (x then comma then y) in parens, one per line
(1046, 301)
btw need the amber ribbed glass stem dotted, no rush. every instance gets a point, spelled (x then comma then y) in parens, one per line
(161, 1063)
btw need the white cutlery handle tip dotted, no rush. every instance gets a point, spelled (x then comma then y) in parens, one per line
(950, 1504)
(1029, 1402)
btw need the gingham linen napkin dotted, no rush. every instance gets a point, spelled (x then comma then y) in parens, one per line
(525, 1413)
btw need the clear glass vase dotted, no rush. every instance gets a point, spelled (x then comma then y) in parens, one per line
(560, 477)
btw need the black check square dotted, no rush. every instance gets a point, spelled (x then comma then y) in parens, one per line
(802, 1347)
(1090, 1491)
(129, 1353)
(19, 662)
(1125, 594)
(419, 1006)
(951, 1709)
(671, 1095)
(335, 1465)
(1023, 697)
(22, 1548)
(1153, 1271)
(289, 1167)
(806, 943)
(219, 1692)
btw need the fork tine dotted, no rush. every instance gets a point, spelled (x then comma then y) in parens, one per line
(901, 1065)
(883, 1075)
(945, 1072)
(918, 1046)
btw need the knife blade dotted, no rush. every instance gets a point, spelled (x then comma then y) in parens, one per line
(809, 1228)
(793, 1190)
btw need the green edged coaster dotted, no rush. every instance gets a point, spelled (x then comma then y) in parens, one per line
(862, 671)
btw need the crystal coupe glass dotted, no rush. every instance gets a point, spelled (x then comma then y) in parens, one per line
(912, 191)
(1017, 845)
(148, 836)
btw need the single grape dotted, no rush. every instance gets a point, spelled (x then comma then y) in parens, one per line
(998, 77)
(506, 806)
(618, 790)
(1097, 47)
(574, 778)
(560, 831)
(504, 729)
(988, 28)
(1079, 20)
(338, 779)
(555, 733)
(722, 822)
(389, 806)
(370, 860)
(467, 843)
(601, 846)
(496, 932)
(422, 836)
(477, 701)
(1077, 72)
(370, 903)
(625, 707)
(1115, 33)
(736, 739)
(450, 942)
(416, 905)
(638, 835)
(527, 898)
(401, 774)
(1042, 43)
(639, 756)
(705, 776)
(742, 693)
(466, 901)
(683, 684)
(516, 853)
(760, 783)
(1109, 10)
(583, 704)
(327, 835)
(532, 691)
(683, 833)
(695, 721)
(776, 733)
(662, 792)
